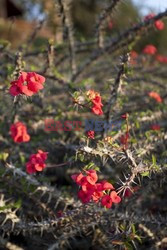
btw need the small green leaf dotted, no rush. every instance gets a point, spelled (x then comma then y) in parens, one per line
(138, 238)
(145, 173)
(154, 161)
(133, 229)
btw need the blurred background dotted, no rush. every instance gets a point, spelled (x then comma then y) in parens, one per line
(19, 17)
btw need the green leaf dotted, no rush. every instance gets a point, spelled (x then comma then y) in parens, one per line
(138, 238)
(137, 124)
(18, 204)
(147, 134)
(154, 161)
(97, 169)
(133, 228)
(145, 173)
(129, 246)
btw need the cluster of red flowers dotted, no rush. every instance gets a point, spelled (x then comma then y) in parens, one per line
(159, 25)
(149, 50)
(96, 101)
(155, 96)
(19, 132)
(36, 162)
(27, 84)
(91, 190)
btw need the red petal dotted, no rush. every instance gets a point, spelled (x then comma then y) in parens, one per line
(26, 91)
(14, 90)
(34, 86)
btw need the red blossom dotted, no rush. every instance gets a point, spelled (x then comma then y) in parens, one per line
(106, 201)
(97, 195)
(106, 185)
(28, 83)
(36, 162)
(150, 49)
(86, 186)
(97, 110)
(97, 101)
(19, 132)
(149, 16)
(115, 198)
(77, 178)
(124, 116)
(85, 197)
(155, 127)
(161, 59)
(159, 25)
(133, 56)
(91, 190)
(91, 134)
(95, 98)
(92, 177)
(155, 96)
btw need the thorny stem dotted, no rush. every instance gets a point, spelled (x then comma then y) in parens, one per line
(69, 24)
(100, 23)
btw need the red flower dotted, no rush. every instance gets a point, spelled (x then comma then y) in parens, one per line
(87, 187)
(91, 134)
(96, 100)
(159, 25)
(97, 110)
(27, 84)
(161, 59)
(106, 201)
(97, 195)
(92, 177)
(19, 132)
(133, 57)
(150, 50)
(77, 178)
(85, 197)
(155, 127)
(155, 96)
(36, 162)
(149, 16)
(91, 190)
(106, 185)
(115, 198)
(124, 116)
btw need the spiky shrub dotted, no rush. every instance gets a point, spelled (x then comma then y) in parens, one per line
(102, 79)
